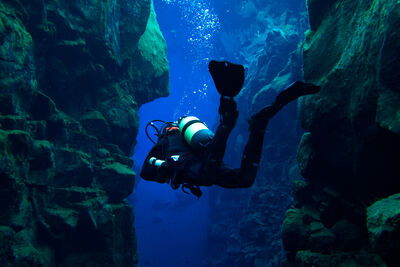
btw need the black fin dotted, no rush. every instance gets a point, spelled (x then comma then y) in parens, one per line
(260, 119)
(228, 77)
(296, 90)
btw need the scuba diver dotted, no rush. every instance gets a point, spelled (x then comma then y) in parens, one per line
(187, 153)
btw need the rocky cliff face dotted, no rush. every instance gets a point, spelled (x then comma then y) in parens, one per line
(245, 224)
(72, 76)
(349, 157)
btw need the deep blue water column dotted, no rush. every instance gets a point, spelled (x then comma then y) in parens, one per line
(172, 226)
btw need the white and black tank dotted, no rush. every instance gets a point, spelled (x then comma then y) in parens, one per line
(195, 132)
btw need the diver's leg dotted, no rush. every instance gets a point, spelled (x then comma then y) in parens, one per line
(227, 178)
(252, 152)
(296, 90)
(245, 176)
(216, 148)
(228, 79)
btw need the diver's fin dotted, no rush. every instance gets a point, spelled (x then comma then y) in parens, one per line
(260, 119)
(228, 77)
(294, 91)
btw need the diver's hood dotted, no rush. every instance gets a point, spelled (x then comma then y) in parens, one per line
(228, 77)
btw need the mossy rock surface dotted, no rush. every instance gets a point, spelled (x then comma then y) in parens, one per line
(71, 85)
(363, 258)
(117, 180)
(349, 158)
(383, 223)
(354, 118)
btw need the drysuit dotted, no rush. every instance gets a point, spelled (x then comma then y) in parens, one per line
(172, 160)
(184, 166)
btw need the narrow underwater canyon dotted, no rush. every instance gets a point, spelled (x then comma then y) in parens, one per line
(73, 75)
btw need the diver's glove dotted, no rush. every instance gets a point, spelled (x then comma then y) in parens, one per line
(228, 77)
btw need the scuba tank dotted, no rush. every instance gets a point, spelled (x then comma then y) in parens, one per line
(195, 132)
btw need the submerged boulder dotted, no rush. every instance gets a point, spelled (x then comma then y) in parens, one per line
(383, 222)
(294, 231)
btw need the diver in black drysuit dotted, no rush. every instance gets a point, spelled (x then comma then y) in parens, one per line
(172, 160)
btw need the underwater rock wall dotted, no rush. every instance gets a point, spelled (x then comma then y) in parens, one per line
(344, 211)
(72, 77)
(245, 227)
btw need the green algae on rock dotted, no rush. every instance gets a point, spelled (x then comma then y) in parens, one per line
(70, 91)
(354, 38)
(152, 49)
(383, 223)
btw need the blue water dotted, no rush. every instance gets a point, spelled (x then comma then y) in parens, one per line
(172, 226)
